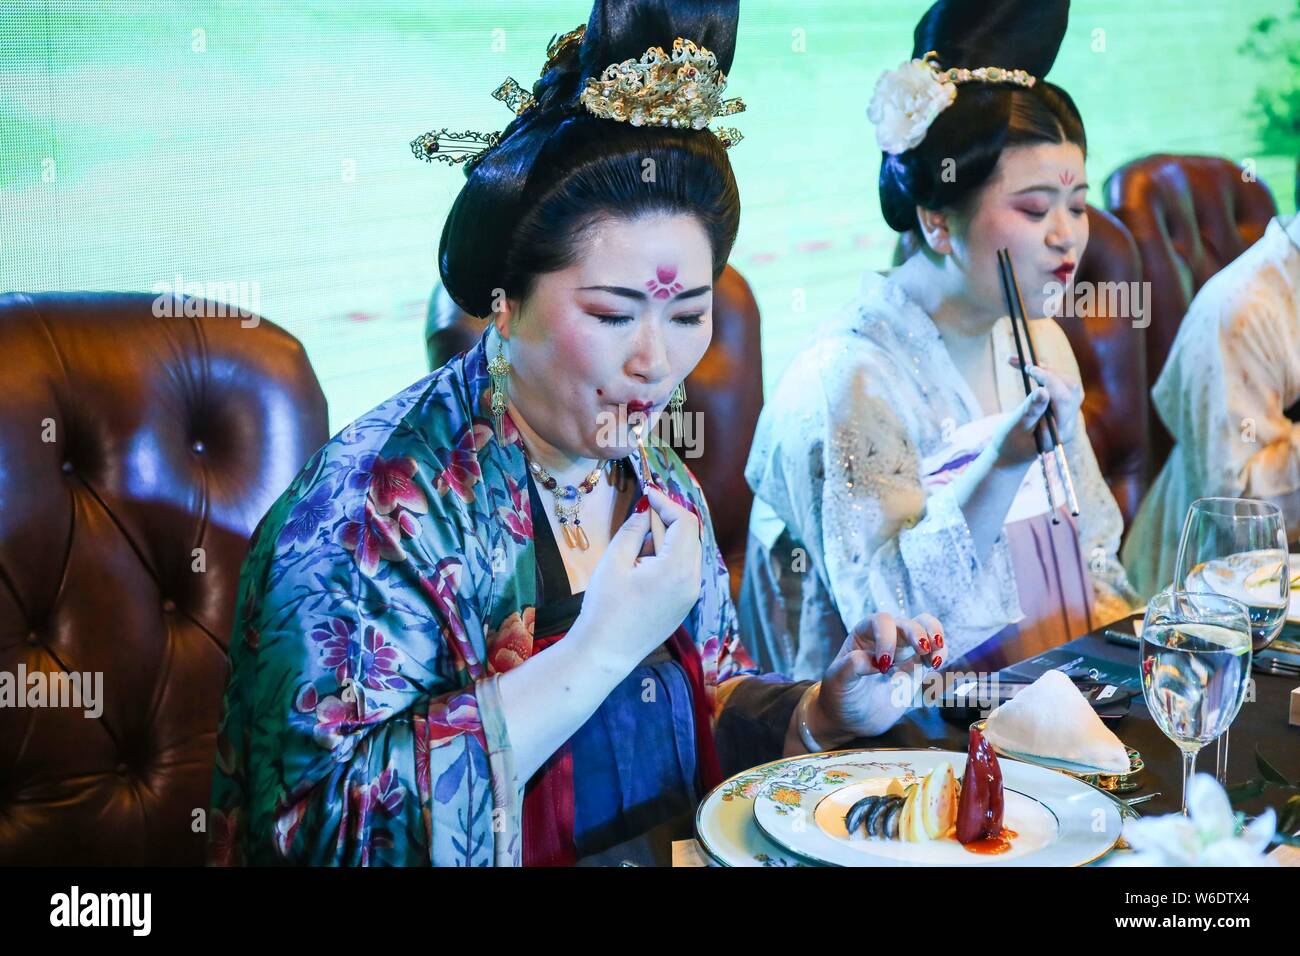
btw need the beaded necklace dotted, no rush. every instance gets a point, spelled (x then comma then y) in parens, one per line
(568, 502)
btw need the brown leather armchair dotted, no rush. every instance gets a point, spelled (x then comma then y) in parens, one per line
(726, 389)
(137, 455)
(1190, 217)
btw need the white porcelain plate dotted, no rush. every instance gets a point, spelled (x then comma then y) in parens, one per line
(724, 822)
(800, 807)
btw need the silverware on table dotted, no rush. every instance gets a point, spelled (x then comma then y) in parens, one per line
(1131, 802)
(1271, 665)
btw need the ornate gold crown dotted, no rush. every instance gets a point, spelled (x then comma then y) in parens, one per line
(683, 90)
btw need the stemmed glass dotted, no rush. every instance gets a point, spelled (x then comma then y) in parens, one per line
(1195, 662)
(1237, 547)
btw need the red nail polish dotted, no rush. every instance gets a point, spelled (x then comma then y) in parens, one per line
(925, 645)
(937, 661)
(938, 640)
(642, 504)
(885, 662)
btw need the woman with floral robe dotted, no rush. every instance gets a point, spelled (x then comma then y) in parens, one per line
(409, 681)
(404, 553)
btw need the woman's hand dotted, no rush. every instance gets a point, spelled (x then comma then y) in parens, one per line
(864, 692)
(633, 604)
(630, 607)
(1015, 437)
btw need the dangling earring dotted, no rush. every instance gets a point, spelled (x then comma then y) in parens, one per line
(675, 402)
(499, 370)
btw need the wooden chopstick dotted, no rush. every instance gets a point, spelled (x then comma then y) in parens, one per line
(1019, 321)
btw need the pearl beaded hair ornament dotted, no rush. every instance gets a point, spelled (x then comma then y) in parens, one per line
(681, 90)
(908, 99)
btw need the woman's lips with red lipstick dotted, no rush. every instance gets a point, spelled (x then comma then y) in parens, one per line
(639, 406)
(1064, 272)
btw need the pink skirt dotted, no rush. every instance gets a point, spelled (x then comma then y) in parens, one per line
(1055, 593)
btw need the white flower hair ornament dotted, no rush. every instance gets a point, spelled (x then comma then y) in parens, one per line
(907, 100)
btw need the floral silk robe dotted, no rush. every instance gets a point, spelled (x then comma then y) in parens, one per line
(382, 595)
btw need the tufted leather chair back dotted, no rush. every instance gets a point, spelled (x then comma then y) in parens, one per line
(137, 455)
(724, 395)
(1111, 352)
(1190, 217)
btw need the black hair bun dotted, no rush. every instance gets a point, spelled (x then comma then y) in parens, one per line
(500, 187)
(1012, 34)
(970, 135)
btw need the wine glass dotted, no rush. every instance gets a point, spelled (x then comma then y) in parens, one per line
(1195, 662)
(1237, 547)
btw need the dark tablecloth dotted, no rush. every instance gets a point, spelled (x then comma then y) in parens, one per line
(1262, 723)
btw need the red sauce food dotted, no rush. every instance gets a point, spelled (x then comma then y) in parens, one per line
(993, 844)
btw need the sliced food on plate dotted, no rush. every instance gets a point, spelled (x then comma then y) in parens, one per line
(937, 807)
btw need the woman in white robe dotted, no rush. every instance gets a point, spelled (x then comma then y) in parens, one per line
(894, 466)
(847, 465)
(1231, 375)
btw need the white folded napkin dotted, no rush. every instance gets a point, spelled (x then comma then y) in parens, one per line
(1050, 718)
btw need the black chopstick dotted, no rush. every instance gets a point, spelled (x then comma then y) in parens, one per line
(1019, 321)
(1040, 439)
(1063, 465)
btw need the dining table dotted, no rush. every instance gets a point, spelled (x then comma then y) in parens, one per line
(1261, 727)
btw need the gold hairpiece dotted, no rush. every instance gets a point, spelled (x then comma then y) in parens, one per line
(682, 90)
(469, 147)
(443, 145)
(448, 147)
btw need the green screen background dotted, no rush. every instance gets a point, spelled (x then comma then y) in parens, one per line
(268, 144)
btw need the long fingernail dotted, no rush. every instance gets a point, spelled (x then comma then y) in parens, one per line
(936, 661)
(938, 640)
(925, 645)
(885, 662)
(642, 504)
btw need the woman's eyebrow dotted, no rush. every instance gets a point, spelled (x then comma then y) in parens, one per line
(1047, 188)
(641, 296)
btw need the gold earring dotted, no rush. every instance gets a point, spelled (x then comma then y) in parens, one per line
(675, 402)
(499, 370)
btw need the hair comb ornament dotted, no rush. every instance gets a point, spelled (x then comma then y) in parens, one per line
(907, 100)
(682, 90)
(469, 147)
(560, 44)
(448, 147)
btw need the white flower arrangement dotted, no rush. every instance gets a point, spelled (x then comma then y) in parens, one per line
(1207, 836)
(905, 103)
